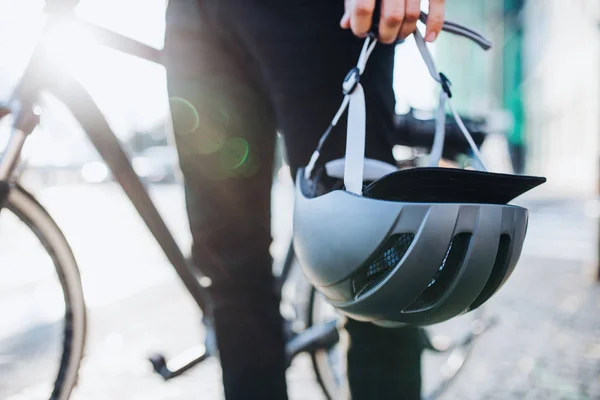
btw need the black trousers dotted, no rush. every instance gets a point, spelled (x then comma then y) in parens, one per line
(239, 71)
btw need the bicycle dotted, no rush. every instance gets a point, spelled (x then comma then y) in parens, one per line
(313, 328)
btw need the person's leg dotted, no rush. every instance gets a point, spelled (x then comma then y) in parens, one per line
(304, 56)
(383, 363)
(225, 133)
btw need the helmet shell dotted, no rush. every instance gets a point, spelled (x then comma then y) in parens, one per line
(396, 263)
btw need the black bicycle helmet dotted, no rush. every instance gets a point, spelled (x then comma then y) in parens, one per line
(416, 246)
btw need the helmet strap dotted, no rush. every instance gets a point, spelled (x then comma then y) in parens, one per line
(354, 97)
(354, 101)
(440, 124)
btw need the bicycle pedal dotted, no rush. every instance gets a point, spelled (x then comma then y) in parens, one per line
(159, 364)
(484, 325)
(179, 364)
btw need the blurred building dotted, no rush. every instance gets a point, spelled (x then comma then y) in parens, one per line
(543, 73)
(562, 91)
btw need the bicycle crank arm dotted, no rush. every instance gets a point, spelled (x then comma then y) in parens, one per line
(442, 344)
(4, 191)
(479, 329)
(316, 337)
(179, 364)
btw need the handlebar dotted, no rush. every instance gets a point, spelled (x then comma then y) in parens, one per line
(419, 133)
(461, 30)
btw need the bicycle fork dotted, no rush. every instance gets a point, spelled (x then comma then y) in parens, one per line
(25, 121)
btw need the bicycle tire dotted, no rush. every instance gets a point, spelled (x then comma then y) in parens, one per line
(320, 366)
(29, 211)
(323, 369)
(460, 348)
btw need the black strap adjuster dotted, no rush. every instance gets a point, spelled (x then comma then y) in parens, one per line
(351, 81)
(445, 82)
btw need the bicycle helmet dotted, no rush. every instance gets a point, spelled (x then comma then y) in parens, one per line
(406, 247)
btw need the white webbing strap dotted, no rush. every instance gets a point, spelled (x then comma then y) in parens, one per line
(356, 135)
(355, 142)
(440, 127)
(437, 148)
(354, 100)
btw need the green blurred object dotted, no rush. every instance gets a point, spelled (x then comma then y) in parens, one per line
(467, 66)
(491, 80)
(512, 77)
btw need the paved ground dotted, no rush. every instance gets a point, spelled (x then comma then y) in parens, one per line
(547, 345)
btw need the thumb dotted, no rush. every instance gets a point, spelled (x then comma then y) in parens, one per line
(345, 21)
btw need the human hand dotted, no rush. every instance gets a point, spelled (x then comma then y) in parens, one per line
(398, 18)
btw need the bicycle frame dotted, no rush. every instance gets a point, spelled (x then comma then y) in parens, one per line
(40, 76)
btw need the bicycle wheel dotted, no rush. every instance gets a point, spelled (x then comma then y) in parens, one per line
(447, 347)
(329, 364)
(43, 324)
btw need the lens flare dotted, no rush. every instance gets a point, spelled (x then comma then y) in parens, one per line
(234, 153)
(184, 114)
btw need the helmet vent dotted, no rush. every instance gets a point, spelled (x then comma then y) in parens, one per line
(498, 272)
(381, 263)
(445, 274)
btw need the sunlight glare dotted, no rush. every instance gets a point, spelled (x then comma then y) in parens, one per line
(68, 45)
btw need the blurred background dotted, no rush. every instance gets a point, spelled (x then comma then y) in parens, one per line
(538, 89)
